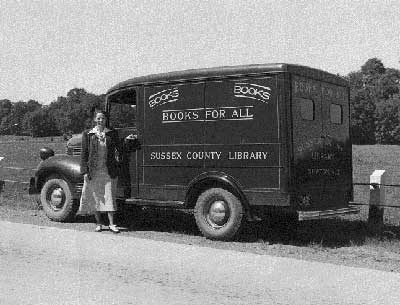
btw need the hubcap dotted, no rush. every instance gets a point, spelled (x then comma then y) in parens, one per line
(218, 213)
(57, 198)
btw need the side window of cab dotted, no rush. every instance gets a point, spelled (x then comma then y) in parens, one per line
(122, 112)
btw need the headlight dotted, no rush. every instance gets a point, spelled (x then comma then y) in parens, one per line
(45, 153)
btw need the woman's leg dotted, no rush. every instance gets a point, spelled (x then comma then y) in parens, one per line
(111, 218)
(112, 225)
(99, 221)
(97, 215)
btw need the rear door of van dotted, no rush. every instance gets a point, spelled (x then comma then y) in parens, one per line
(322, 165)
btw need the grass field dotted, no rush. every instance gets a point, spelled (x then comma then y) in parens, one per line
(21, 155)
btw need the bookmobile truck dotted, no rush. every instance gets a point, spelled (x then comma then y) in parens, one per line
(228, 143)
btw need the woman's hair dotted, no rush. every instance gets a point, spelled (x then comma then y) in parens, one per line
(96, 111)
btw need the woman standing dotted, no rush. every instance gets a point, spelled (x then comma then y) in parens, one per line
(99, 165)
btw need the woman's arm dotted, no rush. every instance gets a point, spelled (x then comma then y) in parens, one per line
(118, 146)
(131, 143)
(84, 153)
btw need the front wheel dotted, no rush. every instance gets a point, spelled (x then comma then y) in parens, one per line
(218, 214)
(57, 201)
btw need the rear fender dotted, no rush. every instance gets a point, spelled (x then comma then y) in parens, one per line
(215, 179)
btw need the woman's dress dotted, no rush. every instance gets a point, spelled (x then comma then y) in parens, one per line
(98, 193)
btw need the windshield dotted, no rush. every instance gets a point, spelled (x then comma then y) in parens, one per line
(122, 109)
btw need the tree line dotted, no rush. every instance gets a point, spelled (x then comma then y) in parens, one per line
(65, 116)
(374, 103)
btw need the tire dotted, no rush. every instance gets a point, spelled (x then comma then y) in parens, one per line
(218, 214)
(57, 201)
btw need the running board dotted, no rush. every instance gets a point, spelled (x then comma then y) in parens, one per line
(311, 215)
(156, 203)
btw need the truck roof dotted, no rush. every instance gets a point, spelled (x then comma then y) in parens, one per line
(229, 71)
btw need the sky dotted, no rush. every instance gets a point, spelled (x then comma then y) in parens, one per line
(50, 47)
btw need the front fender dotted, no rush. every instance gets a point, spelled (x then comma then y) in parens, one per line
(65, 166)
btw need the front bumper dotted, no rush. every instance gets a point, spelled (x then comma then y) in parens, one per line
(311, 215)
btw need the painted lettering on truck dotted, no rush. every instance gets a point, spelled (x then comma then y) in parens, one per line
(164, 96)
(207, 114)
(252, 91)
(209, 155)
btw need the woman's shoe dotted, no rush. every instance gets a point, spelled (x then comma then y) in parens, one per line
(113, 228)
(99, 228)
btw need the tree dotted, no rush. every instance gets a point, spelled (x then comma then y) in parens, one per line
(73, 112)
(373, 67)
(40, 123)
(33, 105)
(389, 84)
(11, 124)
(388, 122)
(5, 110)
(374, 96)
(362, 110)
(362, 119)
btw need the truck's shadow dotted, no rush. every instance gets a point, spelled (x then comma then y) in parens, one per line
(159, 220)
(329, 233)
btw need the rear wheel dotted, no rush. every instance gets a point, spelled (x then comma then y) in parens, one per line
(56, 199)
(218, 214)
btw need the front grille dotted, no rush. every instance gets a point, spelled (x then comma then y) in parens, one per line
(74, 150)
(78, 188)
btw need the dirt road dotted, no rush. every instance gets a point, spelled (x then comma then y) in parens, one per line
(43, 265)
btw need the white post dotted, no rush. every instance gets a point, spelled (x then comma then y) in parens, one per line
(376, 197)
